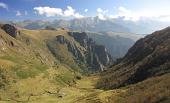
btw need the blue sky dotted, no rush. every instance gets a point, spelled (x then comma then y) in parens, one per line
(53, 9)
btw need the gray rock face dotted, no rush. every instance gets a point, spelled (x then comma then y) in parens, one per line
(9, 29)
(96, 56)
(71, 47)
(61, 39)
(76, 52)
(102, 54)
(82, 38)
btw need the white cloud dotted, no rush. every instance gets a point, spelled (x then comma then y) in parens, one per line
(101, 16)
(99, 10)
(77, 15)
(71, 12)
(18, 13)
(127, 14)
(161, 14)
(3, 5)
(86, 10)
(101, 13)
(49, 12)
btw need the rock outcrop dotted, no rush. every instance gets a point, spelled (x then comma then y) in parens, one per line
(61, 39)
(96, 57)
(82, 38)
(10, 29)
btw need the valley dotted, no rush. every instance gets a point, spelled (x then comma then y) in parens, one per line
(84, 51)
(31, 70)
(63, 66)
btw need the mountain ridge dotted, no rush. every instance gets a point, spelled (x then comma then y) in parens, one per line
(148, 57)
(50, 65)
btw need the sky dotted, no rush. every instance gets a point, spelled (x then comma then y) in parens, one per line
(65, 9)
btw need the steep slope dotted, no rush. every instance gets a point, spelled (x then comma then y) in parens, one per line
(27, 67)
(77, 50)
(118, 38)
(149, 57)
(43, 66)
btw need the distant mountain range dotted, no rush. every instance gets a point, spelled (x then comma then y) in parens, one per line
(94, 24)
(117, 43)
(117, 35)
(85, 24)
(117, 38)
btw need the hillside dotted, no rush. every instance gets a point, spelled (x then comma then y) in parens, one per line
(77, 50)
(55, 65)
(32, 71)
(119, 39)
(27, 67)
(147, 64)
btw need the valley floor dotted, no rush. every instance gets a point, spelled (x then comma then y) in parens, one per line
(82, 92)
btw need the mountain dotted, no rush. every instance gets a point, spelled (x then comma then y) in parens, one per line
(117, 36)
(45, 65)
(50, 65)
(117, 43)
(142, 26)
(85, 24)
(115, 32)
(77, 48)
(94, 24)
(146, 63)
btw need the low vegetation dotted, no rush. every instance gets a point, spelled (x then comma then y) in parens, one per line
(31, 73)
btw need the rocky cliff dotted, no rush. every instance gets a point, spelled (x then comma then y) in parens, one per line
(83, 49)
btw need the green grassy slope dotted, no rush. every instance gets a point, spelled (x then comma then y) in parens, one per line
(28, 68)
(29, 73)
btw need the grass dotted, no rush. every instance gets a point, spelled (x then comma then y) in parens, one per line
(26, 74)
(21, 67)
(87, 82)
(11, 58)
(34, 77)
